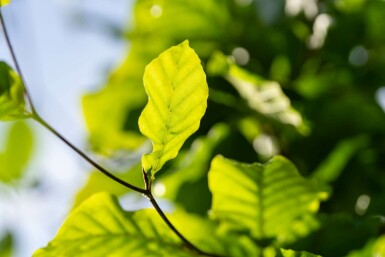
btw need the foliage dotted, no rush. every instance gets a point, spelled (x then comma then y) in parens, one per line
(4, 2)
(277, 152)
(17, 152)
(11, 95)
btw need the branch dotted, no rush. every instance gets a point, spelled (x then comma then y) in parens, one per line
(185, 241)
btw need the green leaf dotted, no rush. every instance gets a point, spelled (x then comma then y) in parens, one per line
(375, 247)
(186, 177)
(263, 200)
(18, 150)
(4, 2)
(330, 169)
(6, 245)
(12, 105)
(265, 97)
(98, 182)
(176, 85)
(195, 163)
(99, 227)
(291, 253)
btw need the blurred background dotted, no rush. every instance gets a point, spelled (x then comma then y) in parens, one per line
(300, 78)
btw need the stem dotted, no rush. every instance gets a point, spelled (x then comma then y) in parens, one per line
(37, 118)
(186, 242)
(14, 59)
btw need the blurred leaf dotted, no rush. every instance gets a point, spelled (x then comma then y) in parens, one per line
(105, 115)
(12, 105)
(4, 2)
(291, 253)
(280, 68)
(204, 23)
(176, 85)
(98, 182)
(265, 97)
(263, 200)
(17, 153)
(195, 163)
(350, 5)
(329, 170)
(6, 246)
(375, 248)
(339, 233)
(99, 227)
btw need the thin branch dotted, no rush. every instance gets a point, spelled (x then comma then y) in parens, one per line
(85, 156)
(17, 66)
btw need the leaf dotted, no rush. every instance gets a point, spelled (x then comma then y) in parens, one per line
(375, 247)
(176, 86)
(330, 169)
(186, 177)
(98, 182)
(194, 165)
(17, 153)
(12, 105)
(291, 253)
(6, 245)
(99, 227)
(4, 2)
(263, 200)
(265, 97)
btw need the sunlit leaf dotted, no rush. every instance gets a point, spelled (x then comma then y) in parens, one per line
(17, 152)
(176, 85)
(99, 227)
(106, 117)
(98, 182)
(12, 104)
(263, 96)
(265, 200)
(4, 2)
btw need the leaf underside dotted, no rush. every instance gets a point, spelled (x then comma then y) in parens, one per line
(267, 201)
(177, 91)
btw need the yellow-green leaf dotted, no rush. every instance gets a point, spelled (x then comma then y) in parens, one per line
(263, 96)
(177, 91)
(4, 2)
(12, 104)
(267, 201)
(17, 153)
(100, 227)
